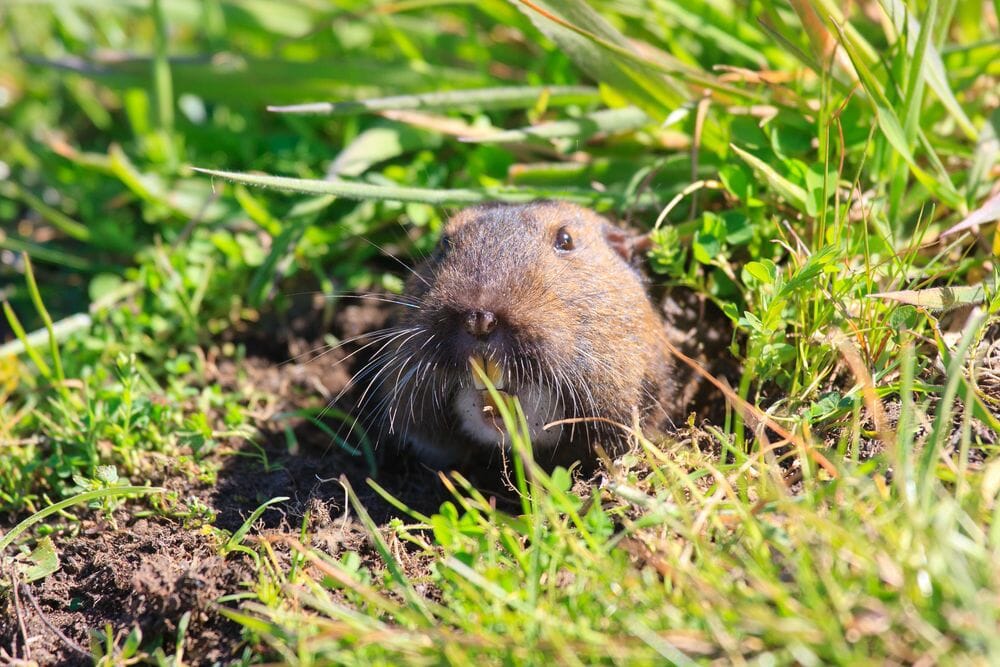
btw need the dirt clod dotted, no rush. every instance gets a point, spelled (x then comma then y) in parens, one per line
(148, 573)
(144, 574)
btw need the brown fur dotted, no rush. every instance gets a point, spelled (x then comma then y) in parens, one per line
(577, 322)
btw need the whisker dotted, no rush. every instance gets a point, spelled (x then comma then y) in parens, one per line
(332, 348)
(398, 299)
(397, 260)
(371, 364)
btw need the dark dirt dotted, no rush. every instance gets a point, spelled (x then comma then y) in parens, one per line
(984, 374)
(148, 572)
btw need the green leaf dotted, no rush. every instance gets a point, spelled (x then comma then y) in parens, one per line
(377, 144)
(705, 247)
(754, 322)
(794, 194)
(605, 120)
(819, 187)
(738, 180)
(763, 272)
(476, 99)
(891, 128)
(809, 271)
(41, 562)
(441, 197)
(731, 310)
(826, 405)
(103, 285)
(107, 474)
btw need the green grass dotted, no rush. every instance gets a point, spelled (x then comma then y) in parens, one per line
(804, 191)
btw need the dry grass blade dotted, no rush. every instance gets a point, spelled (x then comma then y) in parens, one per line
(988, 212)
(751, 413)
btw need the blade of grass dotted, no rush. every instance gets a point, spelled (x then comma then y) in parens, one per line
(598, 49)
(44, 253)
(55, 217)
(605, 120)
(985, 214)
(440, 197)
(25, 342)
(795, 195)
(43, 313)
(163, 87)
(235, 541)
(941, 428)
(936, 298)
(413, 599)
(80, 498)
(931, 67)
(913, 100)
(476, 99)
(68, 326)
(823, 44)
(248, 81)
(774, 26)
(626, 71)
(890, 125)
(697, 18)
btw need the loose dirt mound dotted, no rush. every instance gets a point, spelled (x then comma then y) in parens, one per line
(146, 574)
(150, 572)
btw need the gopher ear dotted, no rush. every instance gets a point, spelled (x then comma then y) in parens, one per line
(626, 244)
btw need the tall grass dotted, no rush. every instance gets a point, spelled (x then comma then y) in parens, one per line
(800, 167)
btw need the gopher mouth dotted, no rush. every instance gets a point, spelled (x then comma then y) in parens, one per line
(479, 415)
(478, 367)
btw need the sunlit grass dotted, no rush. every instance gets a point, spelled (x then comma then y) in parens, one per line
(801, 168)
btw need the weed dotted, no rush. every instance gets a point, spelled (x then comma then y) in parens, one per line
(826, 180)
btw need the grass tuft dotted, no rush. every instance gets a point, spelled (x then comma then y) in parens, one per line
(823, 178)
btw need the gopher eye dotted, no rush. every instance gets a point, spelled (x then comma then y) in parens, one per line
(563, 240)
(444, 246)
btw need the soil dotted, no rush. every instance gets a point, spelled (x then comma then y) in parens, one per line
(149, 572)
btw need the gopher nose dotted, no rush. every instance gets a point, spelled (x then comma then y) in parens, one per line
(480, 323)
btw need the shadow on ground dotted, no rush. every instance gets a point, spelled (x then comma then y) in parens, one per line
(150, 572)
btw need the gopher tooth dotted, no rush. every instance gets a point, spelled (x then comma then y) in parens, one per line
(475, 365)
(490, 368)
(495, 373)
